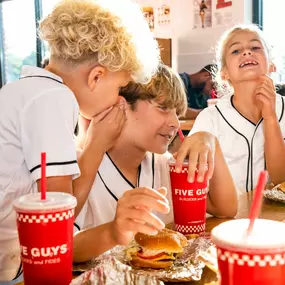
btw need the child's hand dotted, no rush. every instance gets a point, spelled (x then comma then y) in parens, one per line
(200, 147)
(106, 127)
(134, 215)
(265, 94)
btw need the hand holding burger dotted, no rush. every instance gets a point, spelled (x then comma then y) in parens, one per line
(134, 214)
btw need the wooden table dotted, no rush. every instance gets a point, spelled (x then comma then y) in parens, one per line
(186, 124)
(270, 210)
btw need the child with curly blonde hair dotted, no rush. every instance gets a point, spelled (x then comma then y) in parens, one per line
(249, 121)
(96, 47)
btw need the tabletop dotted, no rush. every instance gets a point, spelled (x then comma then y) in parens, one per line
(270, 210)
(186, 124)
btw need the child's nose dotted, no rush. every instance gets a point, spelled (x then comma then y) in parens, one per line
(173, 120)
(247, 52)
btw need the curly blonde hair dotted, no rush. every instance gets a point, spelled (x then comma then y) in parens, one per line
(223, 87)
(111, 33)
(166, 88)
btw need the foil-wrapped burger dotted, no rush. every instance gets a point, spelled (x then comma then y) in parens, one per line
(169, 256)
(110, 271)
(277, 193)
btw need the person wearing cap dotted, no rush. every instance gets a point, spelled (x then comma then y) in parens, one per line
(199, 88)
(116, 209)
(96, 47)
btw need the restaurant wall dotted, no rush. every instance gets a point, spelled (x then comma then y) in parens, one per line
(192, 45)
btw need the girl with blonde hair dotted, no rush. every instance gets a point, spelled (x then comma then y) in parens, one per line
(249, 122)
(96, 47)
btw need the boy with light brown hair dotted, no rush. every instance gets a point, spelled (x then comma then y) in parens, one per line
(138, 161)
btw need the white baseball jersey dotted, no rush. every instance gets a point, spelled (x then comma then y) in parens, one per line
(242, 141)
(38, 113)
(110, 185)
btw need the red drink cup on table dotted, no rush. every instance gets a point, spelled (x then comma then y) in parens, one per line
(189, 201)
(257, 259)
(45, 229)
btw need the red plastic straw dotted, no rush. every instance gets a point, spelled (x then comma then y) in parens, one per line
(213, 94)
(181, 136)
(256, 203)
(43, 176)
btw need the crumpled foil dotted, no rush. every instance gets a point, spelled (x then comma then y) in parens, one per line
(110, 271)
(274, 194)
(210, 259)
(187, 267)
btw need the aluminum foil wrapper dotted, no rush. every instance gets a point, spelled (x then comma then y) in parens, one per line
(187, 267)
(110, 271)
(210, 259)
(274, 194)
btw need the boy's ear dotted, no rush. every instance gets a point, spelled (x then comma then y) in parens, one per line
(95, 75)
(272, 68)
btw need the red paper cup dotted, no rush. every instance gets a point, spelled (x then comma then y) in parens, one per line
(45, 231)
(189, 201)
(257, 260)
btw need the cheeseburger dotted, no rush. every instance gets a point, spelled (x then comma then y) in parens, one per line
(157, 251)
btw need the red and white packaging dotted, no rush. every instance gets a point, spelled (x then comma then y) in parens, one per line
(189, 201)
(45, 229)
(255, 260)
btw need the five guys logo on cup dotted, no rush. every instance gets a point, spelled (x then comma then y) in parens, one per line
(44, 251)
(182, 192)
(189, 201)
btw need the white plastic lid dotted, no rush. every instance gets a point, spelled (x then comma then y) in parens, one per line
(265, 234)
(172, 161)
(54, 200)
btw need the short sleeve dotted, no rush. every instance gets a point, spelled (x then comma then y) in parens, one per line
(204, 122)
(47, 125)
